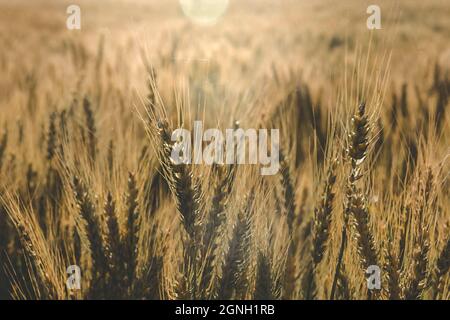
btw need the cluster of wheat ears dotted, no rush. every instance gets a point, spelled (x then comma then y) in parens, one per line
(165, 231)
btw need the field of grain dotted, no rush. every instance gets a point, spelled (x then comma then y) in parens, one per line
(87, 181)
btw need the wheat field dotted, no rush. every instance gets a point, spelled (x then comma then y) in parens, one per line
(86, 177)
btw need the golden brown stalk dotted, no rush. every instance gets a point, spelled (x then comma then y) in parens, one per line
(362, 233)
(442, 267)
(393, 112)
(443, 94)
(404, 101)
(151, 281)
(91, 128)
(92, 225)
(188, 199)
(392, 268)
(322, 216)
(419, 279)
(37, 260)
(113, 226)
(321, 229)
(355, 201)
(186, 191)
(214, 229)
(31, 178)
(153, 278)
(3, 144)
(343, 286)
(406, 227)
(113, 247)
(418, 282)
(133, 226)
(152, 81)
(356, 204)
(263, 286)
(288, 207)
(111, 157)
(236, 262)
(288, 191)
(51, 137)
(4, 242)
(241, 279)
(42, 263)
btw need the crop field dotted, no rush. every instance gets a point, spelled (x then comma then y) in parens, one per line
(342, 190)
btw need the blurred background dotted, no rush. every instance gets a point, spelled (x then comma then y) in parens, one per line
(73, 142)
(252, 40)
